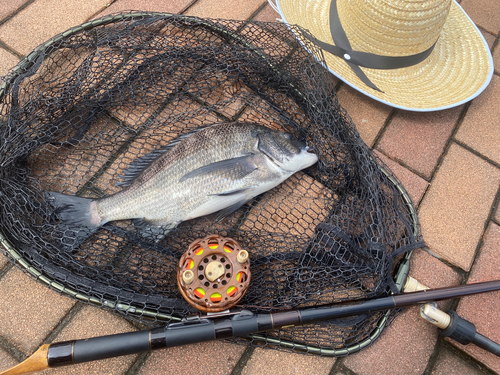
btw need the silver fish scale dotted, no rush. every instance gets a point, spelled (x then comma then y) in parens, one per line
(158, 196)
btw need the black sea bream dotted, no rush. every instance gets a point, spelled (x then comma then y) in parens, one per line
(216, 168)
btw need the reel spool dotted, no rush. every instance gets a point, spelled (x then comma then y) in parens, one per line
(214, 273)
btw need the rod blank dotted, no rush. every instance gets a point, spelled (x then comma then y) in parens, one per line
(197, 329)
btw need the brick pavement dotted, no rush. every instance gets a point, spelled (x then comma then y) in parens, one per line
(449, 161)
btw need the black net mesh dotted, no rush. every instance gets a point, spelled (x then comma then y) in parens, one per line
(78, 110)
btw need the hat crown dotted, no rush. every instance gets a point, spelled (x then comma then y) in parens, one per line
(393, 27)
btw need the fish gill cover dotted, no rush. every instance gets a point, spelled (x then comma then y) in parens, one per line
(79, 110)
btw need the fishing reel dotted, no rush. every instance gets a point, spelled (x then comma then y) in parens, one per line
(214, 273)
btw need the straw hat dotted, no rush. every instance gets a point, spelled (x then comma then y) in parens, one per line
(415, 55)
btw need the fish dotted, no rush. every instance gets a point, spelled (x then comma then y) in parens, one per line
(217, 168)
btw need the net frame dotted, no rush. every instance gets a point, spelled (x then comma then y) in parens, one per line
(131, 311)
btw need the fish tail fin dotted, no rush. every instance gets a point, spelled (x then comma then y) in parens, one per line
(78, 217)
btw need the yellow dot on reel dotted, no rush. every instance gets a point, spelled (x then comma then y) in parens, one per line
(241, 277)
(231, 291)
(215, 297)
(189, 264)
(199, 292)
(199, 251)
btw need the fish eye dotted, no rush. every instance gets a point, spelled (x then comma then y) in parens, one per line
(288, 136)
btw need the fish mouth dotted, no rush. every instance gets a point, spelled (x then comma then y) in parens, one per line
(305, 159)
(309, 150)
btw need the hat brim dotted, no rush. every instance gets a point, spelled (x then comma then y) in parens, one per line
(458, 69)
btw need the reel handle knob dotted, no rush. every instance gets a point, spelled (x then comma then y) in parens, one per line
(188, 277)
(242, 256)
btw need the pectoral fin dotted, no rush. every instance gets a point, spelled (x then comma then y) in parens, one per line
(238, 167)
(229, 210)
(234, 192)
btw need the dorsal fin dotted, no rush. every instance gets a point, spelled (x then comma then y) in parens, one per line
(138, 166)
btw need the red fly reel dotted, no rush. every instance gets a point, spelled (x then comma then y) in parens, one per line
(214, 273)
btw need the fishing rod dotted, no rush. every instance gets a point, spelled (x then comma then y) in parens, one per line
(230, 324)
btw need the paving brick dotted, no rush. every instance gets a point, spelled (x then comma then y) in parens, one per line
(407, 344)
(482, 309)
(3, 261)
(171, 6)
(480, 129)
(7, 61)
(431, 272)
(497, 214)
(404, 348)
(273, 362)
(448, 363)
(6, 361)
(225, 9)
(29, 310)
(214, 358)
(454, 210)
(92, 322)
(342, 371)
(487, 15)
(9, 6)
(496, 59)
(490, 39)
(368, 115)
(418, 139)
(267, 14)
(487, 265)
(44, 19)
(414, 185)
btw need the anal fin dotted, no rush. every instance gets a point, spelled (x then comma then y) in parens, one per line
(153, 232)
